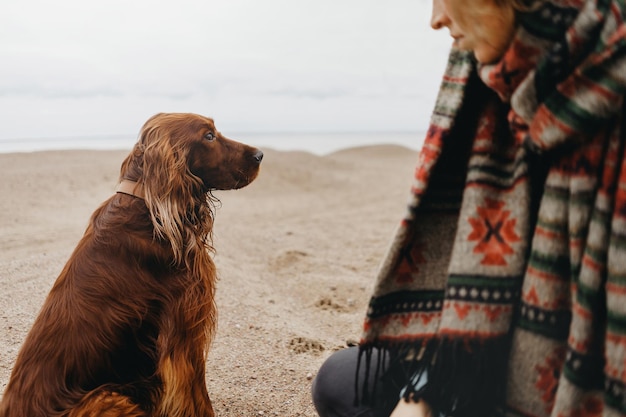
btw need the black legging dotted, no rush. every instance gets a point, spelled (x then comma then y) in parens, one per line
(334, 393)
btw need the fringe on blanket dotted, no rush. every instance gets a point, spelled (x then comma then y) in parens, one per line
(463, 377)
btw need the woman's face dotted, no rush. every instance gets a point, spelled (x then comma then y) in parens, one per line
(481, 26)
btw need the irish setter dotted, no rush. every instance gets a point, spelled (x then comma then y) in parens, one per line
(126, 327)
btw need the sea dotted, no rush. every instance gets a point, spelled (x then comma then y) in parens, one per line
(317, 143)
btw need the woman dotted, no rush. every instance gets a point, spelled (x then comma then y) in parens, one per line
(504, 289)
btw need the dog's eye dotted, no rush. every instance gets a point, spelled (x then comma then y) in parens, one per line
(209, 136)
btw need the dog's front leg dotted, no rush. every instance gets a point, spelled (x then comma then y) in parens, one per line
(181, 369)
(184, 389)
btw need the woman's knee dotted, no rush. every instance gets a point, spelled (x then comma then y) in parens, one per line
(333, 388)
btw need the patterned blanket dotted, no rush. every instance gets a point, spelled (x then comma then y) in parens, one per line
(506, 280)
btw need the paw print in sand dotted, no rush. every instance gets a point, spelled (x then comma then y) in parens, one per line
(304, 345)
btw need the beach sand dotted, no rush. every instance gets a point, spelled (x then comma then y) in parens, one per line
(297, 252)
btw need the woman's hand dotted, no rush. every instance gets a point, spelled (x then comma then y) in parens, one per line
(411, 409)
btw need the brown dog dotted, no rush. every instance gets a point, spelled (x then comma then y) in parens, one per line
(126, 327)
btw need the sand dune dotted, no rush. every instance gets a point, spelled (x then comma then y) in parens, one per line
(297, 251)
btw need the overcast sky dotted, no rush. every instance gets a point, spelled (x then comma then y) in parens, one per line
(76, 67)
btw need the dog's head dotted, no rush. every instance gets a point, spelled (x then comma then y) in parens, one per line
(177, 161)
(181, 149)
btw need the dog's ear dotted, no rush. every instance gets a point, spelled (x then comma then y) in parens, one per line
(172, 192)
(166, 174)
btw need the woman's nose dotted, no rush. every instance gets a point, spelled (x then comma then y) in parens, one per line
(439, 17)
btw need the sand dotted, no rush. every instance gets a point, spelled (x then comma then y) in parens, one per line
(297, 252)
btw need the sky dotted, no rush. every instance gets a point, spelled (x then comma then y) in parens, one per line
(76, 67)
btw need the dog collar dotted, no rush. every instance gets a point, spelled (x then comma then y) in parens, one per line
(130, 188)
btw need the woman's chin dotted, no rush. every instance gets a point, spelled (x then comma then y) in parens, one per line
(487, 57)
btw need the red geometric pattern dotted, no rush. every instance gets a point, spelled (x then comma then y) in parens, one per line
(409, 265)
(548, 380)
(494, 231)
(492, 313)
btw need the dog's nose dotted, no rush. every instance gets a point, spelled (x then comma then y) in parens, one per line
(258, 156)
